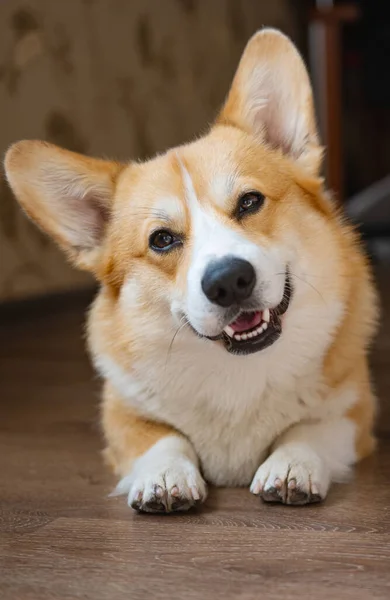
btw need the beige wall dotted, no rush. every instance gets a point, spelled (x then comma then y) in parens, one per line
(120, 78)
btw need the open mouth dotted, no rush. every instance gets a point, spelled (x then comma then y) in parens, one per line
(253, 331)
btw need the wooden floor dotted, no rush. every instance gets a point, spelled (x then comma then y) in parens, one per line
(62, 537)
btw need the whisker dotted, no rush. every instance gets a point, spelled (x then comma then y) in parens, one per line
(304, 281)
(178, 330)
(312, 275)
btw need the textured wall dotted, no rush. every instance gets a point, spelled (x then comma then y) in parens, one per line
(120, 78)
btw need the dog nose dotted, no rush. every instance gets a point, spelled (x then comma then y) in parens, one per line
(228, 281)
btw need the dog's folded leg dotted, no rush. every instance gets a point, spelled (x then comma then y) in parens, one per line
(305, 460)
(158, 466)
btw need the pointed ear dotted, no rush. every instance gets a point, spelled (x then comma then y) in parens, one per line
(271, 98)
(68, 195)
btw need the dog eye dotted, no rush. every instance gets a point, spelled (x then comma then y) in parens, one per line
(163, 240)
(249, 203)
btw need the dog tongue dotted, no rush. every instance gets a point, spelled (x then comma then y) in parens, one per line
(246, 321)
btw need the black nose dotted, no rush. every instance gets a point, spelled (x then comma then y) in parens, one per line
(228, 281)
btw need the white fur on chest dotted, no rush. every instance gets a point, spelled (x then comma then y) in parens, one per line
(231, 408)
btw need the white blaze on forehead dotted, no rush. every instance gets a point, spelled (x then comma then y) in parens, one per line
(211, 237)
(220, 187)
(205, 225)
(189, 189)
(204, 222)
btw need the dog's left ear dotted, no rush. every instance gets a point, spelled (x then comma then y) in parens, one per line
(271, 98)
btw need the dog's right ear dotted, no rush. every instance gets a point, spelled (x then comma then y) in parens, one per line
(68, 195)
(271, 98)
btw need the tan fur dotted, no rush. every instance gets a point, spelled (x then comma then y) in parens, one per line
(268, 54)
(138, 198)
(42, 174)
(127, 434)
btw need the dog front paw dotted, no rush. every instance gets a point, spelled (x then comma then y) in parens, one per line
(172, 485)
(291, 479)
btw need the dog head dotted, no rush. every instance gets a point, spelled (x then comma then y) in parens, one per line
(209, 233)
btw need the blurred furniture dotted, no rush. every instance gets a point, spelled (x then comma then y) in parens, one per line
(370, 208)
(326, 21)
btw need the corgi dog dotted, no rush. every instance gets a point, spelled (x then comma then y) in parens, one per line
(236, 305)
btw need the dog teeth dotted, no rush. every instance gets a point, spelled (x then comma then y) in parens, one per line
(251, 334)
(229, 330)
